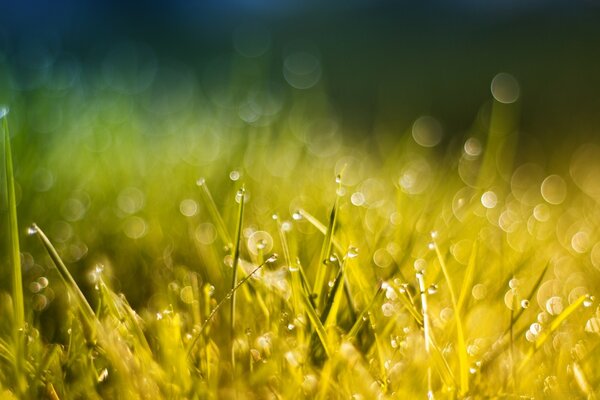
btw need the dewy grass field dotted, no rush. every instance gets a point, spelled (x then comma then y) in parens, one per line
(162, 247)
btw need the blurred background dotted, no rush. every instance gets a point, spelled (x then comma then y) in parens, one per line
(117, 109)
(377, 61)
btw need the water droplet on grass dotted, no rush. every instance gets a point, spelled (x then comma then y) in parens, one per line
(524, 303)
(234, 175)
(352, 252)
(4, 110)
(32, 230)
(272, 259)
(432, 289)
(588, 301)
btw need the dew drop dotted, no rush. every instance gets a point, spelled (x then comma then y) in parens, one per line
(431, 246)
(234, 175)
(297, 216)
(524, 303)
(338, 178)
(240, 195)
(201, 182)
(32, 230)
(272, 259)
(535, 328)
(352, 252)
(588, 301)
(432, 289)
(4, 110)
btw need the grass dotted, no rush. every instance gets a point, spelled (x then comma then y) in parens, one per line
(126, 293)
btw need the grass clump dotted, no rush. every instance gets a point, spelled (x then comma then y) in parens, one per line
(126, 296)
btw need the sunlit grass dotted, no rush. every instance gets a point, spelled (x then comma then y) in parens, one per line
(408, 264)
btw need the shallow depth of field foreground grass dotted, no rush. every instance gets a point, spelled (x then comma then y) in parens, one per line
(195, 255)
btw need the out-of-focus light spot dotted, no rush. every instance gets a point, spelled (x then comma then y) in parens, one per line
(595, 255)
(357, 198)
(541, 212)
(396, 218)
(73, 209)
(134, 227)
(473, 147)
(461, 251)
(350, 168)
(43, 180)
(61, 231)
(415, 177)
(427, 131)
(580, 242)
(129, 67)
(302, 70)
(131, 200)
(322, 137)
(251, 40)
(382, 258)
(585, 169)
(234, 175)
(554, 189)
(187, 295)
(554, 305)
(505, 88)
(489, 199)
(479, 291)
(188, 207)
(206, 233)
(525, 183)
(510, 299)
(260, 242)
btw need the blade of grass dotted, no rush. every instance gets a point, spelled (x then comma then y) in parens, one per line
(15, 258)
(214, 212)
(353, 333)
(468, 278)
(461, 346)
(321, 278)
(554, 325)
(229, 295)
(236, 259)
(85, 308)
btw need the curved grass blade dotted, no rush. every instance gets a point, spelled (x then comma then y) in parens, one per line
(229, 295)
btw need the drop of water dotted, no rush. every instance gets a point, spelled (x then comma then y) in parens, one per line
(588, 301)
(273, 258)
(524, 303)
(201, 182)
(275, 217)
(4, 111)
(432, 289)
(338, 178)
(234, 175)
(103, 375)
(240, 195)
(32, 230)
(431, 246)
(297, 216)
(333, 258)
(434, 234)
(352, 252)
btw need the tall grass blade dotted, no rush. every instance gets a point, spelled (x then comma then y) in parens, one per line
(214, 212)
(194, 340)
(15, 257)
(236, 259)
(85, 308)
(461, 346)
(465, 289)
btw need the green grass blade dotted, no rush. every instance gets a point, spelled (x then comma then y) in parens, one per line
(460, 338)
(15, 258)
(321, 278)
(353, 333)
(465, 289)
(194, 340)
(85, 308)
(214, 212)
(236, 259)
